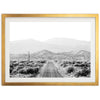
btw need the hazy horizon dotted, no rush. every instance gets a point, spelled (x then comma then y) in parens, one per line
(53, 45)
(48, 39)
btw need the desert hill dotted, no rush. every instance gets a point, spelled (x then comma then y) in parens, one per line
(56, 45)
(48, 55)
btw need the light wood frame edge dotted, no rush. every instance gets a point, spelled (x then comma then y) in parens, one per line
(52, 83)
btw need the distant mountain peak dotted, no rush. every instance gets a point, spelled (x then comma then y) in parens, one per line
(45, 52)
(82, 52)
(62, 39)
(57, 45)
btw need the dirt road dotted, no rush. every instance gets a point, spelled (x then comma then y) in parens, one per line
(49, 70)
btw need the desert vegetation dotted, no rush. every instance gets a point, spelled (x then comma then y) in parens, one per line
(69, 64)
(25, 68)
(76, 68)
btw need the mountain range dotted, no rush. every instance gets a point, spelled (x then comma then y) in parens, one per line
(56, 48)
(48, 55)
(56, 45)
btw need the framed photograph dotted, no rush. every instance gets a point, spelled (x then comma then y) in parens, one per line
(50, 49)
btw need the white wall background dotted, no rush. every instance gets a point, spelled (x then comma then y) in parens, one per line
(49, 92)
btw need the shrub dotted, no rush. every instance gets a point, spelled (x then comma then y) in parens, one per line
(84, 72)
(29, 71)
(11, 68)
(22, 71)
(70, 70)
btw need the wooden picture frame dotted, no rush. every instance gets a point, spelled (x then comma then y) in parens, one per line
(78, 16)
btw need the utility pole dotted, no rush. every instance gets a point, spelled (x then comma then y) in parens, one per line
(28, 56)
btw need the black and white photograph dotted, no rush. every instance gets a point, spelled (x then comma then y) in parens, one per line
(50, 49)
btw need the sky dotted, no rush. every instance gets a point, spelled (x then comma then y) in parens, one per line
(43, 31)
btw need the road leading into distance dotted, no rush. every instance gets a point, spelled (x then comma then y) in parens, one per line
(49, 70)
